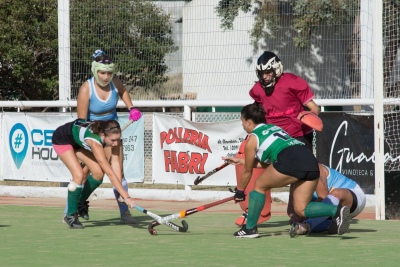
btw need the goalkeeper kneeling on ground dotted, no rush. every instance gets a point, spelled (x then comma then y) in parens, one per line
(333, 188)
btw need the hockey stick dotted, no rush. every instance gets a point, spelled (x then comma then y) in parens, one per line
(126, 125)
(159, 219)
(201, 179)
(185, 213)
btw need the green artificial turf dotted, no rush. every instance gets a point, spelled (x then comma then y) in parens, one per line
(35, 236)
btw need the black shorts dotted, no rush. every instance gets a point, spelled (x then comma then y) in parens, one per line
(297, 161)
(63, 136)
(306, 139)
(355, 201)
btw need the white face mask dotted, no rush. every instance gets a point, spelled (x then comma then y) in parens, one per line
(97, 66)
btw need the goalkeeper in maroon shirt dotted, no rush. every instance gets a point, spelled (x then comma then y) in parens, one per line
(283, 96)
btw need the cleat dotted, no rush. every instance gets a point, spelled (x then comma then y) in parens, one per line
(299, 229)
(127, 218)
(241, 220)
(341, 222)
(83, 209)
(73, 221)
(246, 233)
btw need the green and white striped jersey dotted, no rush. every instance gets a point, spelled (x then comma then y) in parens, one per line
(82, 131)
(272, 140)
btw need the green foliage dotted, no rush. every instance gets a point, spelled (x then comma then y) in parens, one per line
(228, 10)
(312, 13)
(308, 15)
(135, 34)
(267, 17)
(28, 50)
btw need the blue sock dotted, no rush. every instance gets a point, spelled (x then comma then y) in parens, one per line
(66, 207)
(315, 222)
(322, 227)
(122, 206)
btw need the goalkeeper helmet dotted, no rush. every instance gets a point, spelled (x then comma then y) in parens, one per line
(268, 62)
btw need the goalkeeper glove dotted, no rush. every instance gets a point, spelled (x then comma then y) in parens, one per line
(239, 195)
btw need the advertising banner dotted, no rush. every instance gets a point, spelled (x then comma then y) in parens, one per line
(133, 148)
(27, 152)
(346, 144)
(184, 150)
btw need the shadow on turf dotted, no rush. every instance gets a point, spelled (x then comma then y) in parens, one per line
(283, 233)
(142, 222)
(267, 225)
(351, 230)
(276, 233)
(325, 234)
(355, 230)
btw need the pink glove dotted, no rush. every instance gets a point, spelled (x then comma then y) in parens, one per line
(134, 114)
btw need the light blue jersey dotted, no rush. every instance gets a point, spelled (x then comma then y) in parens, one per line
(337, 180)
(102, 109)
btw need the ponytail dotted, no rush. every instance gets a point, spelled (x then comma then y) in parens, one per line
(254, 112)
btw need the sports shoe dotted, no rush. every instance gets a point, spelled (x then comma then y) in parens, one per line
(83, 209)
(341, 222)
(73, 221)
(299, 229)
(127, 218)
(246, 233)
(241, 220)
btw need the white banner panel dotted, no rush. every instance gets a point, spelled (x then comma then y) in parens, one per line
(184, 150)
(133, 142)
(27, 152)
(27, 149)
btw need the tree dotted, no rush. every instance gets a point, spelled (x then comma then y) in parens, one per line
(308, 16)
(28, 50)
(136, 34)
